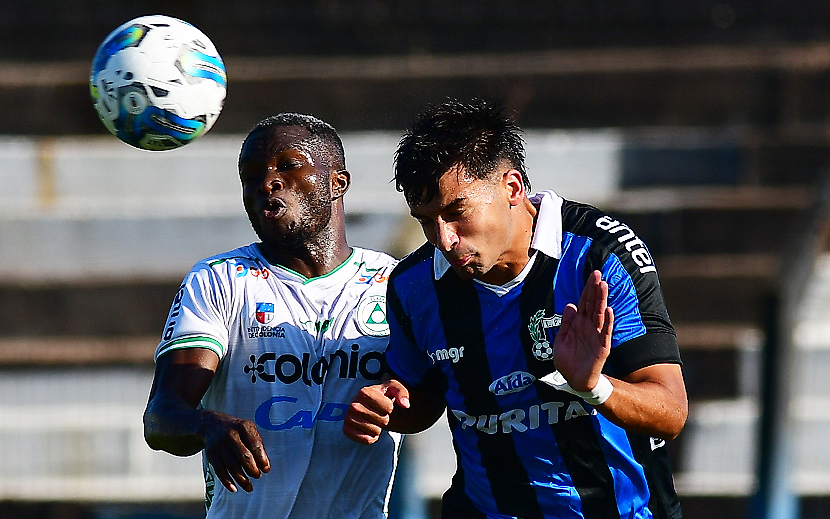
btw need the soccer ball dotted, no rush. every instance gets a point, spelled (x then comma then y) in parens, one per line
(542, 350)
(157, 83)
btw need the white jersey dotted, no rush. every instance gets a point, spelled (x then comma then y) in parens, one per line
(293, 352)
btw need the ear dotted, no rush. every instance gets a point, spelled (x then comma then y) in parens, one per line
(515, 187)
(340, 182)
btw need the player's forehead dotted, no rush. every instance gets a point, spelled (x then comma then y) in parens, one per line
(266, 143)
(455, 187)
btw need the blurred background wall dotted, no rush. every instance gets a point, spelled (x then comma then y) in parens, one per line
(703, 125)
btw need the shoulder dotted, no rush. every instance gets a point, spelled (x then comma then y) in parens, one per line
(580, 218)
(241, 255)
(609, 233)
(226, 266)
(373, 258)
(416, 264)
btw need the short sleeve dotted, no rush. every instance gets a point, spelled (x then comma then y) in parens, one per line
(197, 317)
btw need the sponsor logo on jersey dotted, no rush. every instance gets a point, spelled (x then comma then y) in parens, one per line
(521, 420)
(633, 244)
(278, 414)
(242, 268)
(288, 368)
(242, 271)
(542, 349)
(264, 312)
(371, 316)
(371, 275)
(511, 383)
(173, 316)
(255, 332)
(453, 354)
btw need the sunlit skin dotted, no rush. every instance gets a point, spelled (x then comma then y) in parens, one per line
(287, 189)
(471, 222)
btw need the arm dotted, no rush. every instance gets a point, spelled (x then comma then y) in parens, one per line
(651, 400)
(173, 422)
(391, 405)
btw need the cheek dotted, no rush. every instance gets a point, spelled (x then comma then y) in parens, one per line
(429, 232)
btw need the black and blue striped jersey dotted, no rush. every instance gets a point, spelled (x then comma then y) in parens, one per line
(525, 449)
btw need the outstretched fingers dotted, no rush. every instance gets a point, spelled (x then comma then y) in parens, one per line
(594, 299)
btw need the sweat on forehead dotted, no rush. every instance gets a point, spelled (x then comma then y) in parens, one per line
(271, 141)
(300, 131)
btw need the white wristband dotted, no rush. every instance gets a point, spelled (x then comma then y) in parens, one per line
(598, 395)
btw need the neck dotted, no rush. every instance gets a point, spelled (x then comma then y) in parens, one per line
(515, 258)
(312, 262)
(314, 257)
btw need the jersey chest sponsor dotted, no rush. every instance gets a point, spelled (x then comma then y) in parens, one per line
(523, 419)
(289, 368)
(280, 413)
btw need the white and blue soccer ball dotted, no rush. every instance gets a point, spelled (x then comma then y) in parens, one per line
(158, 83)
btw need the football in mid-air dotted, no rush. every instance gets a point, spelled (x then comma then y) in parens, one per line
(158, 83)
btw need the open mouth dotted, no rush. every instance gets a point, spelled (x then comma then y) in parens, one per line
(274, 208)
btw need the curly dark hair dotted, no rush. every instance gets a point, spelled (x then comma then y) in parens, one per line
(475, 136)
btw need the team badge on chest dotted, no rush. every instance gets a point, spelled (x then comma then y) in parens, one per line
(264, 312)
(542, 349)
(371, 316)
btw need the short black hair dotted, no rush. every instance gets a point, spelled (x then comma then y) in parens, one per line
(317, 128)
(476, 136)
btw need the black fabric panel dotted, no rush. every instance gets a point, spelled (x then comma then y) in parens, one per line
(393, 302)
(646, 350)
(455, 504)
(460, 314)
(663, 501)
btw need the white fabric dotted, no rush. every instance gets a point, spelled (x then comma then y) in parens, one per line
(596, 396)
(294, 351)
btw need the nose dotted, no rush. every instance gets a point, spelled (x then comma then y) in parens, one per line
(271, 183)
(445, 236)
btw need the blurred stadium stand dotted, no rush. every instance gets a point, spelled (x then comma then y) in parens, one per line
(706, 124)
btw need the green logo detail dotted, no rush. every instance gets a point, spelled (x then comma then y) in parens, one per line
(542, 349)
(371, 316)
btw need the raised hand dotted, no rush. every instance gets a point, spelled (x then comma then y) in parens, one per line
(583, 341)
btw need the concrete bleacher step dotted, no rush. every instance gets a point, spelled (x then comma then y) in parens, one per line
(716, 450)
(694, 221)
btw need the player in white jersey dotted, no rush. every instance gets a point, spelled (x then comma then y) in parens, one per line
(265, 345)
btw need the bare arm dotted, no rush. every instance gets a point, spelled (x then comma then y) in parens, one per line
(651, 400)
(173, 422)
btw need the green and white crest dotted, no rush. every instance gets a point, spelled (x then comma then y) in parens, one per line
(542, 349)
(371, 316)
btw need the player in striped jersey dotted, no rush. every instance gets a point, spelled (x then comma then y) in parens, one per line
(539, 325)
(265, 345)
